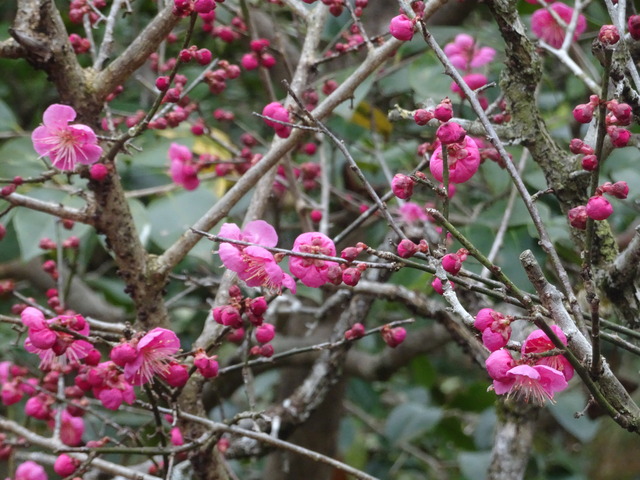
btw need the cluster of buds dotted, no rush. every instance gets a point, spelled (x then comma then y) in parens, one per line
(79, 44)
(201, 55)
(355, 332)
(579, 147)
(443, 112)
(352, 40)
(618, 115)
(216, 79)
(11, 187)
(230, 33)
(495, 328)
(597, 207)
(275, 111)
(452, 262)
(79, 8)
(407, 248)
(244, 311)
(258, 56)
(183, 8)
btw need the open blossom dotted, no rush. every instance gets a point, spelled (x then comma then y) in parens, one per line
(55, 347)
(411, 212)
(154, 352)
(312, 272)
(531, 383)
(183, 170)
(254, 264)
(545, 27)
(64, 144)
(463, 160)
(539, 342)
(464, 53)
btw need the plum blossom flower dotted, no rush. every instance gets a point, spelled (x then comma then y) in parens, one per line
(411, 212)
(254, 264)
(183, 170)
(539, 342)
(401, 27)
(463, 160)
(30, 470)
(154, 352)
(536, 383)
(495, 328)
(64, 144)
(465, 54)
(54, 347)
(545, 27)
(311, 271)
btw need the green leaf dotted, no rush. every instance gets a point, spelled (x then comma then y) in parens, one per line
(474, 465)
(172, 215)
(409, 421)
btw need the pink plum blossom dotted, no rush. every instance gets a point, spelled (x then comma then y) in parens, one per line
(254, 264)
(312, 271)
(71, 430)
(411, 212)
(402, 186)
(183, 170)
(495, 328)
(64, 144)
(463, 160)
(206, 365)
(55, 347)
(473, 81)
(545, 27)
(30, 470)
(155, 351)
(464, 54)
(536, 383)
(65, 465)
(275, 111)
(539, 342)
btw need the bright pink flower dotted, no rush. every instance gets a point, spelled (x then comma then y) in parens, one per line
(311, 271)
(536, 383)
(406, 248)
(275, 111)
(450, 132)
(258, 232)
(30, 470)
(401, 27)
(412, 212)
(539, 342)
(499, 363)
(256, 266)
(463, 160)
(599, 208)
(52, 346)
(547, 29)
(183, 169)
(464, 54)
(155, 351)
(65, 144)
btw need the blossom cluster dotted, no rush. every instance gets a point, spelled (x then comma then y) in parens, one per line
(536, 375)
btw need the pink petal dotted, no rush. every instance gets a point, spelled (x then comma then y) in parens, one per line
(259, 231)
(58, 116)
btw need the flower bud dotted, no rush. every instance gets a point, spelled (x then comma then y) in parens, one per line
(583, 113)
(619, 136)
(265, 333)
(122, 354)
(578, 146)
(351, 276)
(599, 208)
(402, 186)
(450, 132)
(444, 110)
(590, 162)
(633, 24)
(207, 366)
(393, 336)
(355, 332)
(422, 116)
(401, 27)
(406, 248)
(578, 217)
(609, 35)
(176, 375)
(65, 465)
